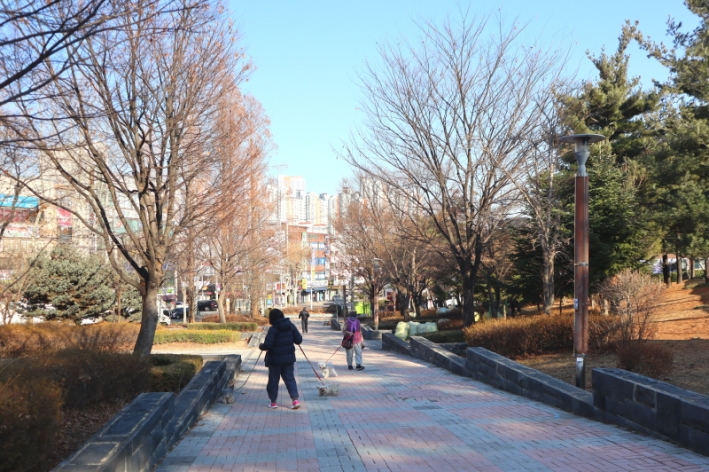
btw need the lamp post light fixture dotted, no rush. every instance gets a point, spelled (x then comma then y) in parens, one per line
(581, 142)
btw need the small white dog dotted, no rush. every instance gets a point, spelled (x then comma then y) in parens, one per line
(327, 370)
(328, 390)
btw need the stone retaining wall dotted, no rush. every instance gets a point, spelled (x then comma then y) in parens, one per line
(508, 375)
(392, 343)
(630, 400)
(440, 356)
(373, 334)
(653, 407)
(140, 435)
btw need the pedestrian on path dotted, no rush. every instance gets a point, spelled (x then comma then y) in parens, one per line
(279, 345)
(304, 315)
(353, 328)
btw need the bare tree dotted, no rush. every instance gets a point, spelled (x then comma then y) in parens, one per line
(542, 204)
(360, 238)
(34, 32)
(140, 100)
(447, 121)
(239, 218)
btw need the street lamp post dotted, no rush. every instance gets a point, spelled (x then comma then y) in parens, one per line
(581, 142)
(376, 267)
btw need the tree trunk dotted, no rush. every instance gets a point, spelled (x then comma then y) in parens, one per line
(548, 283)
(149, 321)
(402, 299)
(680, 274)
(666, 270)
(706, 270)
(691, 268)
(373, 305)
(254, 301)
(221, 306)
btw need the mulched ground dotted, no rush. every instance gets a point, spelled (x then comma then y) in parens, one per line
(682, 325)
(80, 425)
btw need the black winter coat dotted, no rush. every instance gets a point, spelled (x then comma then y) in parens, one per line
(280, 342)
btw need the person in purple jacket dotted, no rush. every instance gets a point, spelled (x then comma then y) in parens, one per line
(279, 345)
(353, 329)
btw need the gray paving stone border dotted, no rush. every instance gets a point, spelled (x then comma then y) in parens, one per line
(142, 433)
(392, 343)
(373, 334)
(630, 400)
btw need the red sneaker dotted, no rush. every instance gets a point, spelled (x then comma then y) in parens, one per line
(273, 405)
(296, 405)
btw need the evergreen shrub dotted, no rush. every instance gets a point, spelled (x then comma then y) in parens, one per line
(164, 336)
(227, 326)
(447, 336)
(259, 320)
(171, 372)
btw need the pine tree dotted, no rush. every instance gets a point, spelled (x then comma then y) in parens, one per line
(681, 169)
(69, 286)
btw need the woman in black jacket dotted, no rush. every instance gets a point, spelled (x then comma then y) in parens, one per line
(280, 356)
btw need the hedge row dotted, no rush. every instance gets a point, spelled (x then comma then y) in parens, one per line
(34, 391)
(251, 326)
(198, 336)
(171, 372)
(259, 320)
(527, 335)
(18, 340)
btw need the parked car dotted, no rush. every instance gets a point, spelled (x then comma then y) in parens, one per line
(207, 305)
(178, 313)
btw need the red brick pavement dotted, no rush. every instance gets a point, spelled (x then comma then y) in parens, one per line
(404, 414)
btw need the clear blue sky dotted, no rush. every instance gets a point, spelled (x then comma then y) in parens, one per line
(308, 55)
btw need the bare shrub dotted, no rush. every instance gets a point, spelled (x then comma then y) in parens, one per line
(86, 377)
(633, 299)
(24, 340)
(536, 334)
(652, 360)
(30, 416)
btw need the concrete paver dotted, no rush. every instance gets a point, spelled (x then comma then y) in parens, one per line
(402, 414)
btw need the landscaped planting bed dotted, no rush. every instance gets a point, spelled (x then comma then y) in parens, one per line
(63, 382)
(198, 336)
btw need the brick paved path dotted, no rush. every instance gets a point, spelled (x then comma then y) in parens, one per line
(404, 414)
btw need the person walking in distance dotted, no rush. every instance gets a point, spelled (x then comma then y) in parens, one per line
(279, 345)
(353, 329)
(304, 315)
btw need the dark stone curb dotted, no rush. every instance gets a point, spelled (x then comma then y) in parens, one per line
(141, 434)
(633, 401)
(373, 334)
(392, 343)
(334, 324)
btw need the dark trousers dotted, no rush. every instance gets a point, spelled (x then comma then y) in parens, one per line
(275, 374)
(304, 324)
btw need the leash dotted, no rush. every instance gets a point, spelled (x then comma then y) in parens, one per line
(311, 365)
(333, 354)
